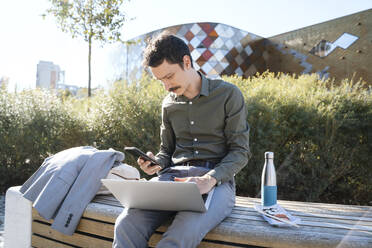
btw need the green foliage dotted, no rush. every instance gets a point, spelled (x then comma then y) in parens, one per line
(33, 125)
(92, 19)
(320, 135)
(128, 116)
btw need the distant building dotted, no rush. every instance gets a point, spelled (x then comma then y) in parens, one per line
(4, 82)
(72, 88)
(49, 75)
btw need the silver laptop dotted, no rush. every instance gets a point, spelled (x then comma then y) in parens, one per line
(158, 195)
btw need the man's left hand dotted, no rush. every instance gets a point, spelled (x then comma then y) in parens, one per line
(205, 183)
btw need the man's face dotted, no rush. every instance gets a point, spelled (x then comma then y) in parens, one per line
(174, 78)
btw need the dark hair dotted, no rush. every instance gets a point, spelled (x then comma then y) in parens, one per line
(165, 46)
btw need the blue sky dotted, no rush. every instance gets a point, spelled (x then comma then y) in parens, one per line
(26, 38)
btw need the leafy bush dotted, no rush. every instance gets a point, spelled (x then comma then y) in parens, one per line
(320, 134)
(33, 125)
(128, 116)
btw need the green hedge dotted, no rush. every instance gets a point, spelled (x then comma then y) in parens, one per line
(128, 115)
(33, 125)
(320, 135)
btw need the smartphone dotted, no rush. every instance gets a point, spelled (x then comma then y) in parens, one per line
(134, 151)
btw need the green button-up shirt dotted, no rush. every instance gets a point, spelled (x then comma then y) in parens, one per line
(212, 127)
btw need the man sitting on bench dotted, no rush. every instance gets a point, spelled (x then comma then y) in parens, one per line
(204, 139)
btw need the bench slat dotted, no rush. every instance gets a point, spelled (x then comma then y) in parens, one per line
(86, 225)
(291, 231)
(315, 221)
(155, 238)
(314, 218)
(314, 209)
(76, 239)
(307, 225)
(102, 212)
(38, 241)
(268, 236)
(321, 214)
(250, 201)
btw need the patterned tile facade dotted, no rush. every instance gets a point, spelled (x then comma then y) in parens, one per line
(337, 49)
(216, 50)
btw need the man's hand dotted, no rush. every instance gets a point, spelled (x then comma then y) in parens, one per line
(145, 165)
(205, 183)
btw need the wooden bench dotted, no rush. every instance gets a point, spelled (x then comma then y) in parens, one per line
(323, 225)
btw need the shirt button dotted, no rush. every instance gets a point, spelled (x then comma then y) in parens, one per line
(196, 152)
(195, 139)
(190, 103)
(192, 122)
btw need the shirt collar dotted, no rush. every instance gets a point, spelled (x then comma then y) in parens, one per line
(204, 91)
(205, 85)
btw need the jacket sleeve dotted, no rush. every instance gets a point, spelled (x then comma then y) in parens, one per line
(48, 186)
(84, 189)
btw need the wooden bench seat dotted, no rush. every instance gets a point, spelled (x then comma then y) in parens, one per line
(323, 225)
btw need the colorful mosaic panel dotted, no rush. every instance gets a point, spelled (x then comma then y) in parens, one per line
(219, 49)
(216, 49)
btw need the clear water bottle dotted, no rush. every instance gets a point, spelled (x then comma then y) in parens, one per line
(268, 182)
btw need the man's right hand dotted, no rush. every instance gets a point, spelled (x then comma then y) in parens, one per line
(145, 165)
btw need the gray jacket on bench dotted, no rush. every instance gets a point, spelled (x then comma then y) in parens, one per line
(66, 182)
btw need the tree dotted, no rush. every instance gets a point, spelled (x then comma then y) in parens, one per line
(91, 19)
